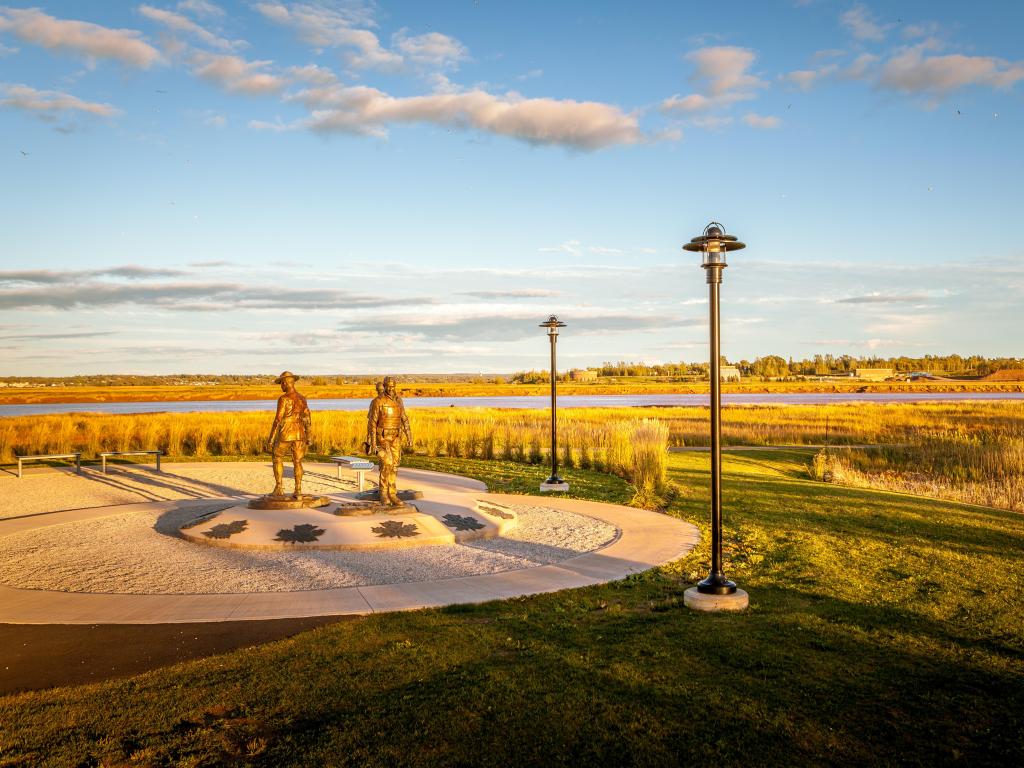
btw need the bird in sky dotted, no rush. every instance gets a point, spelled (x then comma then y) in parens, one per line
(23, 153)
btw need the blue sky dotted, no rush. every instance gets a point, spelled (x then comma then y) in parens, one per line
(342, 186)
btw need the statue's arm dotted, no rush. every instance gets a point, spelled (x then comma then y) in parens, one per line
(307, 417)
(371, 426)
(277, 420)
(406, 428)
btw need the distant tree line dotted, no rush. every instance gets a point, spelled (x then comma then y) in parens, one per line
(777, 367)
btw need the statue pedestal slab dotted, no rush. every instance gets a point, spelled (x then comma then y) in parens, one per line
(407, 495)
(362, 508)
(305, 501)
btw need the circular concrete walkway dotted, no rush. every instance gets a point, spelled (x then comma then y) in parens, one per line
(647, 539)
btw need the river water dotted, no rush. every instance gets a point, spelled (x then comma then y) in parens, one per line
(568, 401)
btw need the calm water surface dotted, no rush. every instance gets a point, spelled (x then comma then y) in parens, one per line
(568, 401)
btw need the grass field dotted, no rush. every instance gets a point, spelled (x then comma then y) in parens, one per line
(884, 629)
(114, 394)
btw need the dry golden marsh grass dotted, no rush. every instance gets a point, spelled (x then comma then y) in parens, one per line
(968, 451)
(186, 393)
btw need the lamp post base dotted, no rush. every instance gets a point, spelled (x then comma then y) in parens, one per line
(701, 601)
(716, 585)
(554, 485)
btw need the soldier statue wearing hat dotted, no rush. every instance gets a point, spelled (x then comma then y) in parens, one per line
(387, 429)
(289, 434)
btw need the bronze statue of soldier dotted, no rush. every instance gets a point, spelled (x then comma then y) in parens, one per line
(289, 436)
(387, 429)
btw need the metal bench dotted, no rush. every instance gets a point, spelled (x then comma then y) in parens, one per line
(77, 456)
(105, 454)
(358, 465)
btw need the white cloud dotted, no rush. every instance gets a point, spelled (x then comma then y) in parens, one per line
(233, 73)
(921, 29)
(215, 121)
(860, 68)
(368, 111)
(805, 79)
(201, 8)
(694, 102)
(313, 74)
(6, 50)
(180, 23)
(911, 71)
(761, 121)
(50, 104)
(827, 53)
(572, 247)
(862, 25)
(433, 49)
(722, 78)
(79, 37)
(711, 122)
(531, 74)
(335, 27)
(603, 249)
(724, 69)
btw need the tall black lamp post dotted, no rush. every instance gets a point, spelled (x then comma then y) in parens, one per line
(554, 483)
(715, 592)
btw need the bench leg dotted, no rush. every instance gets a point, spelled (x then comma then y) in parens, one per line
(104, 459)
(359, 478)
(19, 469)
(158, 462)
(339, 471)
(78, 463)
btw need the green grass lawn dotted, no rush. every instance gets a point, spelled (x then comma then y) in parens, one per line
(884, 629)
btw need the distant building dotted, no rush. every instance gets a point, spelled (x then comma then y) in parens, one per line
(875, 374)
(729, 373)
(576, 374)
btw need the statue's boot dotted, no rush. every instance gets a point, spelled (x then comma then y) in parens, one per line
(298, 490)
(278, 491)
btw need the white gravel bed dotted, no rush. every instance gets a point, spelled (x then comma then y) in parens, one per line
(135, 553)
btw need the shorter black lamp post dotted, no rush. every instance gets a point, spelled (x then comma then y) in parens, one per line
(554, 483)
(716, 592)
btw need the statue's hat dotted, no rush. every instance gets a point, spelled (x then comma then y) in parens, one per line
(285, 375)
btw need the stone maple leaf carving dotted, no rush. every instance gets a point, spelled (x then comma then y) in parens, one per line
(226, 530)
(395, 529)
(462, 523)
(304, 532)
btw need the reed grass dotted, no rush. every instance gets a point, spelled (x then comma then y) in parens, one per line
(626, 445)
(967, 451)
(986, 469)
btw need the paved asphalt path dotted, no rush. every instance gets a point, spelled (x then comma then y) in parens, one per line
(38, 656)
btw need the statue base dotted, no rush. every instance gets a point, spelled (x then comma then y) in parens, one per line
(363, 508)
(374, 495)
(304, 501)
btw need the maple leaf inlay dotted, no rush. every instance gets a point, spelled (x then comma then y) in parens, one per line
(395, 529)
(300, 533)
(462, 523)
(226, 530)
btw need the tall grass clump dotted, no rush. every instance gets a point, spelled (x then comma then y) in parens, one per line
(986, 469)
(650, 462)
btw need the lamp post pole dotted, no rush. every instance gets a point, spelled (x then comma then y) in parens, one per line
(715, 592)
(715, 583)
(554, 483)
